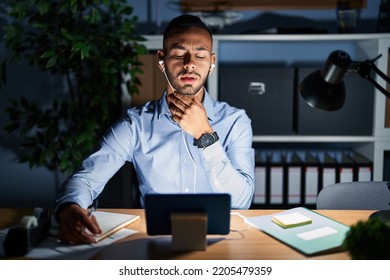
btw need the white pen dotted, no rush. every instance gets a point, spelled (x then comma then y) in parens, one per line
(93, 208)
(90, 212)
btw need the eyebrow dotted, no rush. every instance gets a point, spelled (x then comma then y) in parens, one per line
(180, 47)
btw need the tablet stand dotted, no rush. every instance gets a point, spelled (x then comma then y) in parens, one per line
(189, 230)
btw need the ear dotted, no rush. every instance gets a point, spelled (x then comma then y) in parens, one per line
(160, 57)
(213, 61)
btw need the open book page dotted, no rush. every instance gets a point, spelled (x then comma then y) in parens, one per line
(111, 222)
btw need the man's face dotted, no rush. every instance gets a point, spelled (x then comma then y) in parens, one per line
(188, 57)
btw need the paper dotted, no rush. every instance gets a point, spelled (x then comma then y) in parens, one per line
(51, 248)
(291, 220)
(317, 233)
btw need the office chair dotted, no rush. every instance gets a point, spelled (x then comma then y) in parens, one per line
(122, 190)
(372, 195)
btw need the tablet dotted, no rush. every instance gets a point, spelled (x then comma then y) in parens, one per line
(158, 209)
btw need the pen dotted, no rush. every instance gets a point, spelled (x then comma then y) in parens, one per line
(93, 208)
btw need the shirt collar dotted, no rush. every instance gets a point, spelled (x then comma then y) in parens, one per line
(207, 103)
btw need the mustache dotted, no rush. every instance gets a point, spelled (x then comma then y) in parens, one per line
(188, 73)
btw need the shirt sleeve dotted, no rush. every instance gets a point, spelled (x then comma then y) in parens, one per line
(97, 169)
(231, 169)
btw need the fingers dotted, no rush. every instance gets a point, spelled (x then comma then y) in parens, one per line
(178, 104)
(90, 223)
(75, 234)
(180, 99)
(189, 114)
(93, 226)
(76, 227)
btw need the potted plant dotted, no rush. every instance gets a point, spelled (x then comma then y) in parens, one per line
(369, 240)
(93, 46)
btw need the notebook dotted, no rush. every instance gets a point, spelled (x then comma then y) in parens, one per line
(109, 222)
(321, 235)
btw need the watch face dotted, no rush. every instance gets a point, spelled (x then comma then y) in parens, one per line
(207, 140)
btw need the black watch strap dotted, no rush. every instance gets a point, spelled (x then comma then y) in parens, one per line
(207, 139)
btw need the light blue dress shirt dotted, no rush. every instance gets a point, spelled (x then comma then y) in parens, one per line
(165, 158)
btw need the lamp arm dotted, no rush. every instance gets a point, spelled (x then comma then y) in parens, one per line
(364, 69)
(378, 86)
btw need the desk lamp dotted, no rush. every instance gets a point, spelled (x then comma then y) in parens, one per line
(324, 89)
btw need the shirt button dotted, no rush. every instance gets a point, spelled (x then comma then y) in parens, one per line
(186, 190)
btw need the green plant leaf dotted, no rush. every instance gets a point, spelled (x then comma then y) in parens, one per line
(82, 49)
(44, 7)
(82, 41)
(51, 62)
(49, 53)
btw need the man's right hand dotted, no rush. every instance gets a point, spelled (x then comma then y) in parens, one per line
(73, 222)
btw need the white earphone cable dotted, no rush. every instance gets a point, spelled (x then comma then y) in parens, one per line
(192, 159)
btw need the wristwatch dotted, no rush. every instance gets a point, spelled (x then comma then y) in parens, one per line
(207, 139)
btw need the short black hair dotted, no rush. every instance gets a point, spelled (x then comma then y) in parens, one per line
(185, 21)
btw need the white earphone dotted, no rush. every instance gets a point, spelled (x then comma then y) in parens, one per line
(212, 66)
(161, 62)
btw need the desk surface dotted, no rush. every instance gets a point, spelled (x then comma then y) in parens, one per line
(242, 243)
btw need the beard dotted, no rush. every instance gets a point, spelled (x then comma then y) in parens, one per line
(188, 90)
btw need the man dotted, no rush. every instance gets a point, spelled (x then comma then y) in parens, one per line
(183, 143)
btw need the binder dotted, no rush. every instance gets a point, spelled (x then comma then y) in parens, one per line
(294, 178)
(310, 179)
(328, 171)
(346, 167)
(362, 167)
(260, 177)
(275, 177)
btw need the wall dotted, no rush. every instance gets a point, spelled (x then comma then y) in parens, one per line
(21, 186)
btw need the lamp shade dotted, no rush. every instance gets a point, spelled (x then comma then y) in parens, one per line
(324, 89)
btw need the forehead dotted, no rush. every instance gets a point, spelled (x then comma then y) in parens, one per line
(185, 37)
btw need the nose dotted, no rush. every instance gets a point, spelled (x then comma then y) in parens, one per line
(189, 62)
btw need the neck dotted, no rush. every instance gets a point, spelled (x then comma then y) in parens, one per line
(198, 95)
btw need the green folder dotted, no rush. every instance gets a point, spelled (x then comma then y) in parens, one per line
(322, 235)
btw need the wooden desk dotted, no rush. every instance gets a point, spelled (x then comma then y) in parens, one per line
(243, 242)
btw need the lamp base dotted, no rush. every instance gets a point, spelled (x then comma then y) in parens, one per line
(382, 214)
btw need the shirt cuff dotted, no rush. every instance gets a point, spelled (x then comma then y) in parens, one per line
(214, 153)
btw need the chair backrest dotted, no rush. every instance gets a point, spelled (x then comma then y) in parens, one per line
(373, 195)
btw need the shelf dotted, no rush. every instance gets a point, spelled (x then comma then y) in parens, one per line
(314, 139)
(154, 42)
(212, 5)
(290, 50)
(301, 37)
